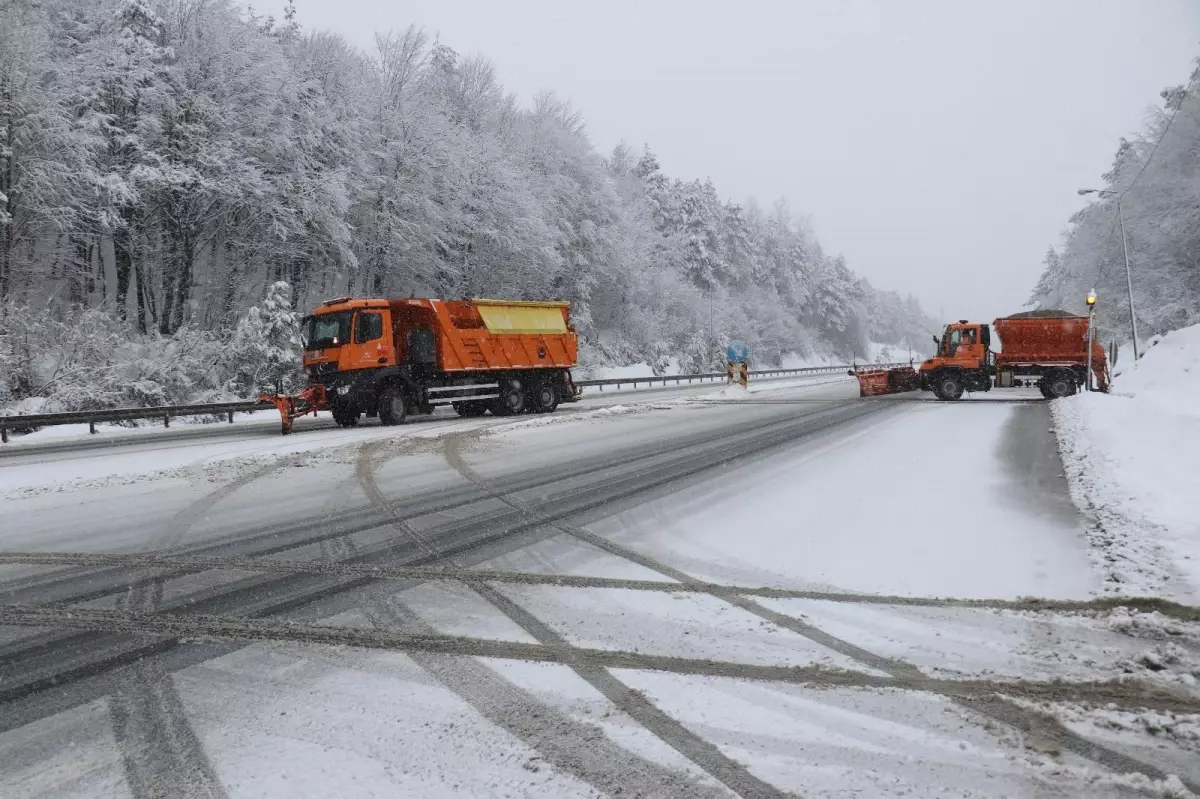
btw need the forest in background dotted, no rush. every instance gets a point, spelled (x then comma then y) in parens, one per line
(1155, 176)
(178, 177)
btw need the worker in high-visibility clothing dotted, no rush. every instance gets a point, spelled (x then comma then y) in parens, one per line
(744, 374)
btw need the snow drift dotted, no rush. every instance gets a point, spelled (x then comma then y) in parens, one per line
(1133, 460)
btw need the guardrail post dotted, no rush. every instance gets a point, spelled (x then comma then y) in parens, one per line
(4, 435)
(231, 417)
(92, 428)
(166, 420)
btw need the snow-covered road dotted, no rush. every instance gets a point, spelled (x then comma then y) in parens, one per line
(687, 594)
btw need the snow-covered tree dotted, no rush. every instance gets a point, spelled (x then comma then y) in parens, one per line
(266, 344)
(1155, 176)
(182, 177)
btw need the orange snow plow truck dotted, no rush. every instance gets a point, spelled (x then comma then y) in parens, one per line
(1046, 350)
(390, 358)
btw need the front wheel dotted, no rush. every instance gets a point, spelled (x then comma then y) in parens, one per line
(345, 416)
(949, 387)
(392, 407)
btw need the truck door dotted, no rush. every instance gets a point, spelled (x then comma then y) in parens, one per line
(369, 347)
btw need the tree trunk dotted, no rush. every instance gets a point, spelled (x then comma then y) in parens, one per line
(123, 256)
(140, 283)
(6, 245)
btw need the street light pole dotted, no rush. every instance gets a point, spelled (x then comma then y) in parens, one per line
(1128, 279)
(1091, 336)
(1125, 250)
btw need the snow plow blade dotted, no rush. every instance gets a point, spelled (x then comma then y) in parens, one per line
(874, 382)
(310, 400)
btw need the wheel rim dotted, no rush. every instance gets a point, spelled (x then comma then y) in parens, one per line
(1060, 388)
(513, 400)
(546, 396)
(949, 388)
(397, 407)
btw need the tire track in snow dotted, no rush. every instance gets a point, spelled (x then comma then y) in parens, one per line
(161, 753)
(190, 564)
(704, 754)
(905, 674)
(269, 537)
(574, 747)
(159, 628)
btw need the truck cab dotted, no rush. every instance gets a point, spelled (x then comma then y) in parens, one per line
(963, 361)
(344, 335)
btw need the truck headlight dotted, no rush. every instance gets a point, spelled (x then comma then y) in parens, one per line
(343, 390)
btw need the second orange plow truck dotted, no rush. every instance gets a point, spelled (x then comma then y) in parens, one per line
(1047, 350)
(394, 357)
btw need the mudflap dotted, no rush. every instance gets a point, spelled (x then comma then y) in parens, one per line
(876, 382)
(291, 407)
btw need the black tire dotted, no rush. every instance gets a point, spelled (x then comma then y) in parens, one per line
(475, 408)
(544, 397)
(393, 407)
(345, 416)
(948, 387)
(1059, 384)
(511, 400)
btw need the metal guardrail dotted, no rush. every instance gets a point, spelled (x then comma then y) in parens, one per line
(91, 418)
(165, 412)
(664, 379)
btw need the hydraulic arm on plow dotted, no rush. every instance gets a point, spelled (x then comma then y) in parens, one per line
(292, 407)
(1047, 350)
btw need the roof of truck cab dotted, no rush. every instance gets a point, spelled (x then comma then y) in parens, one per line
(347, 304)
(351, 303)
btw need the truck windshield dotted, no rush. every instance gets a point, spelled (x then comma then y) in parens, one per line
(326, 330)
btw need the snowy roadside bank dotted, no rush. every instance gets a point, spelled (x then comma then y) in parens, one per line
(1132, 458)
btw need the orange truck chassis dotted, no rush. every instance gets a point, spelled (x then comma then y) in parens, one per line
(392, 357)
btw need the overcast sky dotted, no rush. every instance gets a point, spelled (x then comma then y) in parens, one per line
(938, 144)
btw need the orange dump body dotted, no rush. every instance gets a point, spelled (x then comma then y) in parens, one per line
(453, 336)
(488, 334)
(1044, 339)
(1048, 340)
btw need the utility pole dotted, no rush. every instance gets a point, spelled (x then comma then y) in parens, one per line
(1125, 250)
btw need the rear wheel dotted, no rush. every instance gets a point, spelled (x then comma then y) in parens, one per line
(511, 400)
(948, 387)
(475, 408)
(345, 416)
(392, 406)
(1059, 384)
(544, 397)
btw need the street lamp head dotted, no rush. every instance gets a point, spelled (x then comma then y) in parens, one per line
(1091, 298)
(1082, 192)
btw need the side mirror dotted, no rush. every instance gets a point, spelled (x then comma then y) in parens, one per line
(935, 340)
(850, 372)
